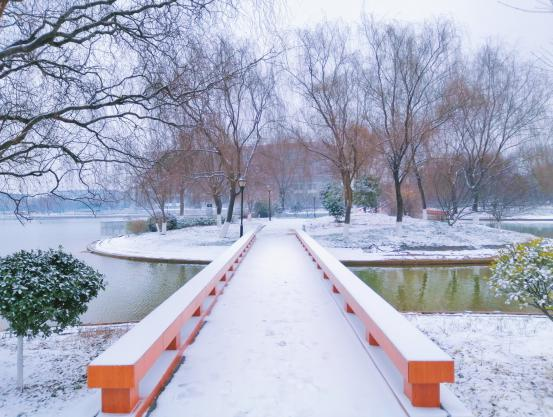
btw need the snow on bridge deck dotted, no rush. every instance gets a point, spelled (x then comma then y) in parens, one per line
(277, 344)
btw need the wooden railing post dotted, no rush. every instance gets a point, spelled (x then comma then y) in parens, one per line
(119, 400)
(422, 395)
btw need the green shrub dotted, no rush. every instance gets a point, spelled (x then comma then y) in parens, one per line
(366, 192)
(524, 274)
(261, 209)
(333, 201)
(183, 222)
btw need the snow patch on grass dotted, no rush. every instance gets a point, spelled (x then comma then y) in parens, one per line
(54, 373)
(503, 363)
(504, 366)
(376, 233)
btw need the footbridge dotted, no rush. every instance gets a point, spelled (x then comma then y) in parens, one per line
(275, 326)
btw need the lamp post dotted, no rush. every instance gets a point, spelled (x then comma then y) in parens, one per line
(269, 190)
(242, 184)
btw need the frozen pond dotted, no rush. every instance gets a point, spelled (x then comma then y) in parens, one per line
(435, 289)
(133, 288)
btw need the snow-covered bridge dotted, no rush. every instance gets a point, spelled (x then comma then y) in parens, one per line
(294, 334)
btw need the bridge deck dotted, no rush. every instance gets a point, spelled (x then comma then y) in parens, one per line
(277, 344)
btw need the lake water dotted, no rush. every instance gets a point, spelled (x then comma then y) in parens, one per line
(435, 289)
(542, 229)
(133, 288)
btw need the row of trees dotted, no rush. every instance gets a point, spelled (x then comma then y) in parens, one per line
(389, 97)
(406, 98)
(147, 92)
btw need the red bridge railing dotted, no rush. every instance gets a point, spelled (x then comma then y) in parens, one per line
(421, 363)
(132, 372)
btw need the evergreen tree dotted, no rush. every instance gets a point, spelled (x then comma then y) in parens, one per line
(333, 200)
(43, 292)
(366, 192)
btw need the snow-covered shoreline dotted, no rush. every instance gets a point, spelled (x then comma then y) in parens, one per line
(503, 365)
(372, 241)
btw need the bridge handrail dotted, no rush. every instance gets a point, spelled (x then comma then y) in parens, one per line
(422, 364)
(152, 349)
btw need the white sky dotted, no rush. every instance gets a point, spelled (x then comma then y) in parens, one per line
(478, 20)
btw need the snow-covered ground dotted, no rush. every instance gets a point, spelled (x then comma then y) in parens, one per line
(54, 373)
(372, 237)
(504, 366)
(199, 243)
(376, 233)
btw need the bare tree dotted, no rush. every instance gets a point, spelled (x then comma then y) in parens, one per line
(154, 185)
(208, 173)
(449, 187)
(405, 82)
(233, 116)
(76, 85)
(281, 163)
(503, 102)
(328, 80)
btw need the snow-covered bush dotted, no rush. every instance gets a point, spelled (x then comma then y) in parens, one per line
(524, 274)
(174, 223)
(183, 222)
(43, 292)
(333, 201)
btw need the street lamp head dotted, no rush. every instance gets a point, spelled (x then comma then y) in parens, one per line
(242, 182)
(269, 188)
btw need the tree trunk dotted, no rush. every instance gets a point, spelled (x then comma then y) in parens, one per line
(218, 203)
(348, 200)
(421, 188)
(218, 208)
(20, 362)
(399, 198)
(230, 210)
(181, 201)
(475, 201)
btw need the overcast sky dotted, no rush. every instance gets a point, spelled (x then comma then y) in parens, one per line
(477, 19)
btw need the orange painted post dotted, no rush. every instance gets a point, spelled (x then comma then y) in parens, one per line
(175, 343)
(372, 341)
(119, 400)
(423, 395)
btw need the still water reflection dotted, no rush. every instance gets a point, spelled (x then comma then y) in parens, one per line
(542, 229)
(133, 288)
(433, 289)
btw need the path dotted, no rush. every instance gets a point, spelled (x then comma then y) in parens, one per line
(277, 344)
